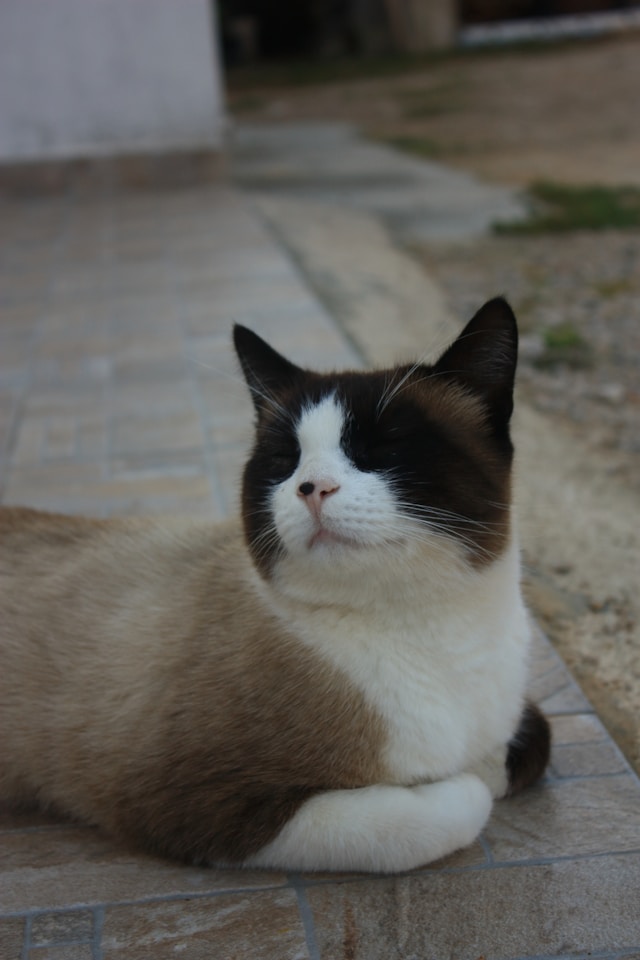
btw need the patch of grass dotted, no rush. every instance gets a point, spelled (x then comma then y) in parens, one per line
(612, 288)
(418, 104)
(418, 146)
(563, 337)
(556, 207)
(248, 103)
(563, 344)
(310, 72)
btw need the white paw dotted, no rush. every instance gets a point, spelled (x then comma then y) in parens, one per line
(381, 828)
(464, 803)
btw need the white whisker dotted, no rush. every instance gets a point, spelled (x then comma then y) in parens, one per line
(393, 388)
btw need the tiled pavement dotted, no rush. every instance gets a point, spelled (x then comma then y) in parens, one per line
(119, 394)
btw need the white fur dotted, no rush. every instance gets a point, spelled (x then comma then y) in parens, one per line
(436, 646)
(381, 828)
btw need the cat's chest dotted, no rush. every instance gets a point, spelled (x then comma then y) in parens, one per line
(449, 689)
(447, 705)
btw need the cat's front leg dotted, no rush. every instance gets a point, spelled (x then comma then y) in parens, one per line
(520, 763)
(380, 828)
(492, 770)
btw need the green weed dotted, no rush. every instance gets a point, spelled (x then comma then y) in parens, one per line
(556, 207)
(612, 288)
(563, 344)
(418, 146)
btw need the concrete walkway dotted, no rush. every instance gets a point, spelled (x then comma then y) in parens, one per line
(331, 164)
(119, 394)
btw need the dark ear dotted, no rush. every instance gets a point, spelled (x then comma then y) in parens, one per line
(265, 370)
(483, 358)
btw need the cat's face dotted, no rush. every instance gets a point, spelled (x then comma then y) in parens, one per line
(350, 465)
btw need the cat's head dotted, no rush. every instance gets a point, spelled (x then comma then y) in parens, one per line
(386, 464)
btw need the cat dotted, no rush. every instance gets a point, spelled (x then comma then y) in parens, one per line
(335, 681)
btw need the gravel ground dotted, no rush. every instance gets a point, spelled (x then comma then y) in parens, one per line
(588, 283)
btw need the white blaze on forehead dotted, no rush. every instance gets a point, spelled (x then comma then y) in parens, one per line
(320, 427)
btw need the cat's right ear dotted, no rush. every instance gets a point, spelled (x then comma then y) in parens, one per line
(266, 371)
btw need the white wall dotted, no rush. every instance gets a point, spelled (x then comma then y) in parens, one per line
(95, 77)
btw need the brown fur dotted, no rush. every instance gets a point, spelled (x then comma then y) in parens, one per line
(146, 687)
(529, 750)
(488, 484)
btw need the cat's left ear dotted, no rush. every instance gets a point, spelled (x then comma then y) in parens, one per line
(483, 358)
(266, 371)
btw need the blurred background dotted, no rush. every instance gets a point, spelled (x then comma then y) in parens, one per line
(89, 77)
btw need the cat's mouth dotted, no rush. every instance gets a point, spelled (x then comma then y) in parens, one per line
(324, 537)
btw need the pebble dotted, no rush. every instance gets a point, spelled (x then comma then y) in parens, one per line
(613, 393)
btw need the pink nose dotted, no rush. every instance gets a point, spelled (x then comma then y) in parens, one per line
(314, 494)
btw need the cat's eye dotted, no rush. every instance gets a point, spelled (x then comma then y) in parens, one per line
(283, 460)
(392, 440)
(383, 448)
(379, 451)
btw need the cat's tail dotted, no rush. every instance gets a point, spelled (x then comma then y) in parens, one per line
(529, 750)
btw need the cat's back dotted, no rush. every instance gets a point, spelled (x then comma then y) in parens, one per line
(71, 587)
(37, 547)
(29, 537)
(38, 542)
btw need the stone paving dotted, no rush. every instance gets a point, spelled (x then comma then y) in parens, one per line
(119, 394)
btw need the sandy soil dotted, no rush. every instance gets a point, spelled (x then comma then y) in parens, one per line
(571, 114)
(567, 112)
